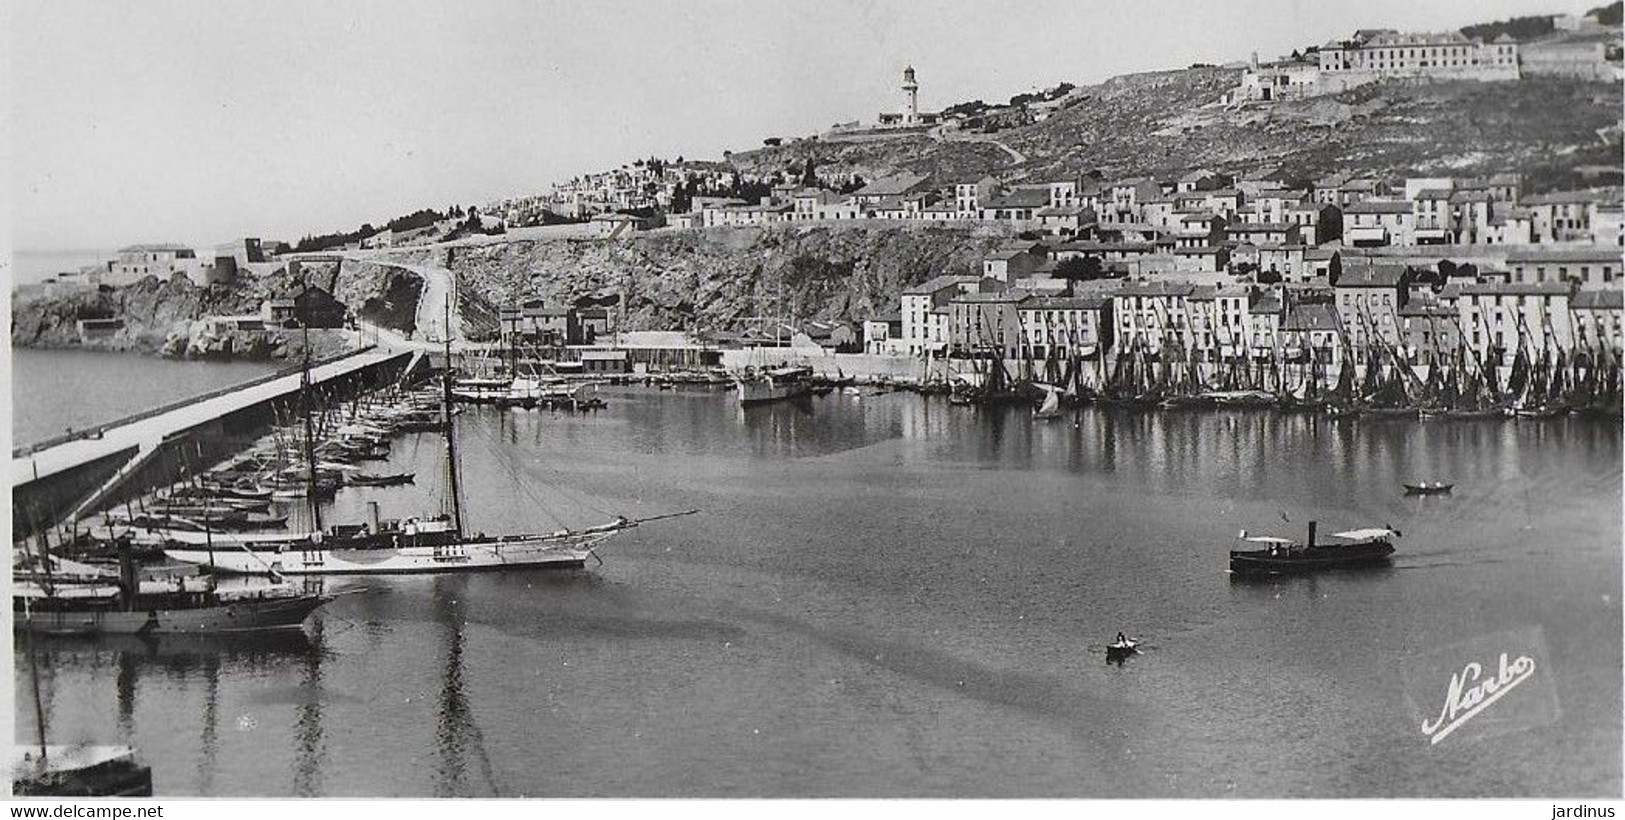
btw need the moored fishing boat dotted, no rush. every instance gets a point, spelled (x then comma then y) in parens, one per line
(51, 596)
(1428, 488)
(59, 770)
(771, 384)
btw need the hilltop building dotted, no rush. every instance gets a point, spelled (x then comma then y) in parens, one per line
(911, 116)
(1371, 55)
(1379, 54)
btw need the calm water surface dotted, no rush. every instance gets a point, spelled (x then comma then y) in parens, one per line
(52, 390)
(890, 596)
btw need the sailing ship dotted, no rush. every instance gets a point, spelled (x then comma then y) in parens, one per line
(1051, 408)
(431, 544)
(54, 596)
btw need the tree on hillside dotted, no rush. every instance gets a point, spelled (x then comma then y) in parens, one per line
(1609, 15)
(1520, 28)
(682, 198)
(809, 175)
(1080, 269)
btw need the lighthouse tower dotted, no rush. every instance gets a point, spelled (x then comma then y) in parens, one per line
(911, 98)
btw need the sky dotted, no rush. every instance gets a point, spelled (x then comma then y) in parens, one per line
(198, 121)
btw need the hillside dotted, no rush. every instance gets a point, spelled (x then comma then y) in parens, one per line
(716, 279)
(1164, 122)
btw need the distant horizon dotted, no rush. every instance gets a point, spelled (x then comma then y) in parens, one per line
(131, 126)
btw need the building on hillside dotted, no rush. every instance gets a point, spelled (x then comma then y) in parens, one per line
(535, 323)
(613, 225)
(1309, 332)
(1564, 216)
(1593, 267)
(1318, 223)
(1379, 54)
(312, 307)
(242, 251)
(137, 262)
(1608, 224)
(911, 116)
(969, 194)
(1598, 315)
(1375, 223)
(883, 335)
(1065, 220)
(897, 185)
(985, 325)
(1148, 315)
(1218, 321)
(1203, 179)
(1063, 327)
(1592, 54)
(1497, 318)
(1018, 207)
(1126, 196)
(1285, 79)
(1368, 299)
(1016, 261)
(921, 333)
(1265, 310)
(1428, 327)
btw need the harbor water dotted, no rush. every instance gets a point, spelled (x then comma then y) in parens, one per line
(54, 390)
(887, 595)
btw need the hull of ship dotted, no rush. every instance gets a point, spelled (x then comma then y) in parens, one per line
(1260, 562)
(751, 393)
(81, 771)
(534, 553)
(231, 617)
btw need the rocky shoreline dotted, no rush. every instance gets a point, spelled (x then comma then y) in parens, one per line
(711, 279)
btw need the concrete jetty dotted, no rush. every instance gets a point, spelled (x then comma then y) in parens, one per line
(76, 474)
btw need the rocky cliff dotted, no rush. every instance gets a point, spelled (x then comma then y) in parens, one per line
(165, 317)
(718, 279)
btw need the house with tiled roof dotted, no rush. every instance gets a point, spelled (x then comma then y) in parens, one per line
(1373, 223)
(1496, 317)
(896, 185)
(1589, 266)
(1368, 298)
(1599, 319)
(922, 330)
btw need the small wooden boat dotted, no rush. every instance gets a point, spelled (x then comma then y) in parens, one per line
(1118, 651)
(1427, 488)
(1122, 648)
(384, 480)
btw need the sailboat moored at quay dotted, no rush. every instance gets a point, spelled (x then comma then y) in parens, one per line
(429, 544)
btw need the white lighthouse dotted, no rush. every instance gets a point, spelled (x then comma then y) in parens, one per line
(911, 98)
(911, 116)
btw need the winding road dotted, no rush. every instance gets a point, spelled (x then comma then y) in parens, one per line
(942, 134)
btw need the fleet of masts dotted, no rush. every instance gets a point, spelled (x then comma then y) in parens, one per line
(1157, 368)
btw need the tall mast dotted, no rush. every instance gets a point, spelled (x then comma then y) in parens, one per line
(451, 440)
(311, 498)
